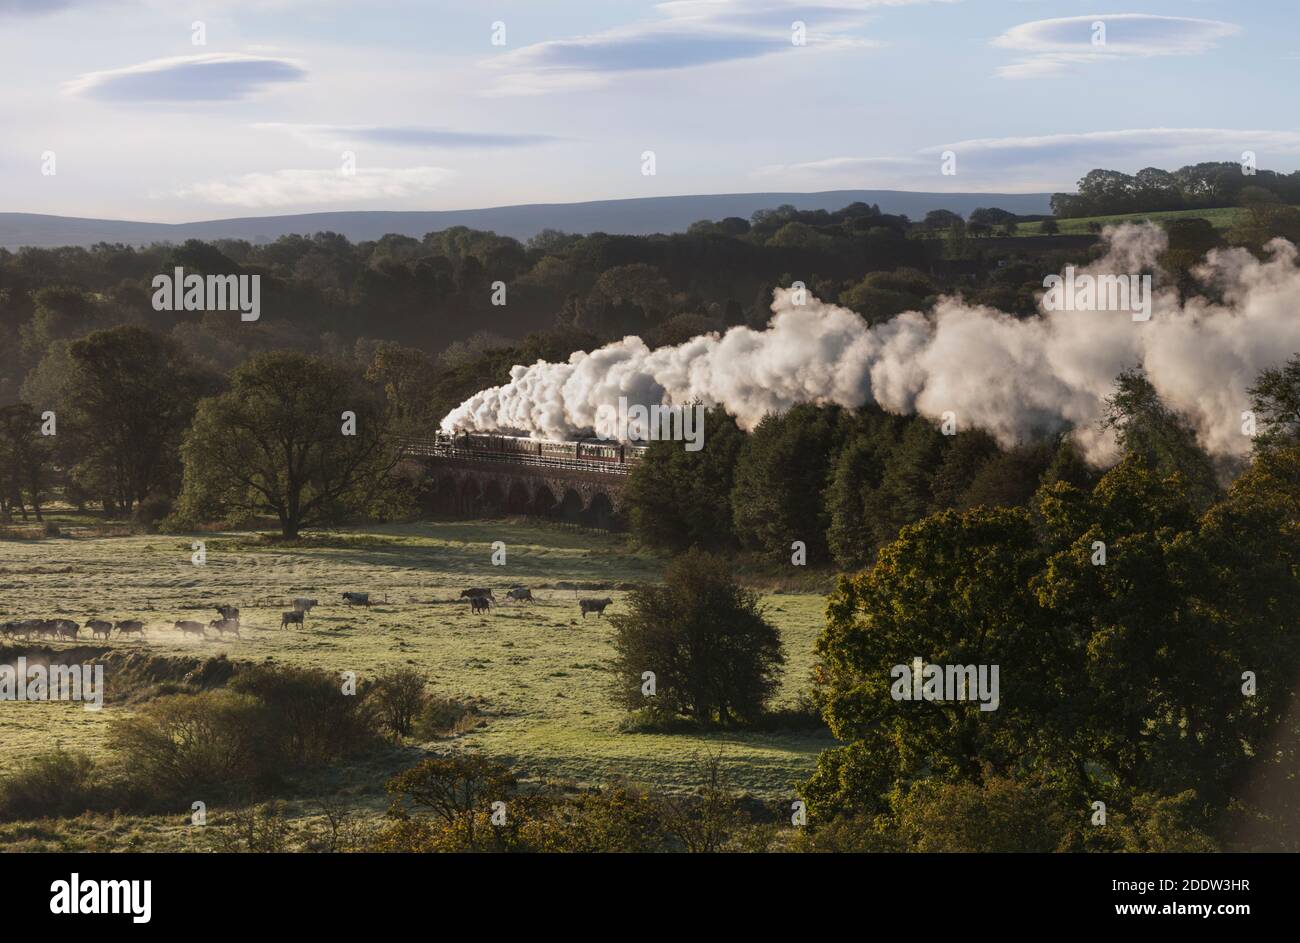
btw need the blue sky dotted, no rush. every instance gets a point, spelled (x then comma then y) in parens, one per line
(145, 124)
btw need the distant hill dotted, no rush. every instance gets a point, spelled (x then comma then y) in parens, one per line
(662, 214)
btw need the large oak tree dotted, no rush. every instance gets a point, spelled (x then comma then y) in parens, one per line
(278, 444)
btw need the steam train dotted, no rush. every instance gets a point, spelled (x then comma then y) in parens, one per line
(581, 450)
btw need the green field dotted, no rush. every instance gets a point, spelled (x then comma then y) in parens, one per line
(538, 671)
(1220, 217)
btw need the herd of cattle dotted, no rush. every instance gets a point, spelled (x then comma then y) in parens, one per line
(480, 600)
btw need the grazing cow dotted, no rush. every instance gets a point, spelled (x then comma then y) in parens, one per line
(225, 625)
(479, 604)
(190, 627)
(130, 627)
(99, 627)
(519, 594)
(357, 599)
(29, 627)
(594, 605)
(477, 591)
(304, 604)
(228, 612)
(292, 618)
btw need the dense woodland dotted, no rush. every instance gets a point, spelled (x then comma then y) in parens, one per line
(409, 328)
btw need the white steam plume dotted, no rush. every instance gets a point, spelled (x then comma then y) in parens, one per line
(1017, 378)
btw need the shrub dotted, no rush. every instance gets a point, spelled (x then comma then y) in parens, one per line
(709, 819)
(616, 818)
(445, 803)
(52, 784)
(184, 746)
(713, 654)
(396, 700)
(259, 829)
(444, 717)
(241, 740)
(151, 511)
(314, 721)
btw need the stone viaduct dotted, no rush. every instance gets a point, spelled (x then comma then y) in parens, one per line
(467, 483)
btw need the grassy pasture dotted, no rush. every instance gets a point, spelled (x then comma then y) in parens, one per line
(1220, 218)
(539, 671)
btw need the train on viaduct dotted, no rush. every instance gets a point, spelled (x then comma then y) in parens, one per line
(482, 475)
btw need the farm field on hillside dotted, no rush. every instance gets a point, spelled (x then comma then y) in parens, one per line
(1220, 217)
(538, 670)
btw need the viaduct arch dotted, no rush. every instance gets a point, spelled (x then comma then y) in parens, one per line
(465, 486)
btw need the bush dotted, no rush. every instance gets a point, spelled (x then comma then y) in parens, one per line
(444, 717)
(396, 700)
(256, 830)
(52, 784)
(710, 819)
(1000, 815)
(242, 740)
(445, 804)
(152, 510)
(613, 819)
(705, 638)
(187, 746)
(314, 721)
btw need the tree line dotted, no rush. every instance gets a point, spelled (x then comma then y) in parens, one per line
(1196, 186)
(322, 293)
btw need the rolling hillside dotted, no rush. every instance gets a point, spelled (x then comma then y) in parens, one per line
(630, 217)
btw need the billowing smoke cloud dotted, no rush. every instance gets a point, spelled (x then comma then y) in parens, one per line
(1017, 378)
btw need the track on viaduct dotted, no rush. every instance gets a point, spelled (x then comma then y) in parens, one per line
(471, 483)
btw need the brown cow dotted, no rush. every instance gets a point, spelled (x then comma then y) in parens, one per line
(190, 627)
(225, 625)
(594, 605)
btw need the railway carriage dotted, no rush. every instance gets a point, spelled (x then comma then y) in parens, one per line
(603, 451)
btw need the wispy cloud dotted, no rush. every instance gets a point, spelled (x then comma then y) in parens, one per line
(319, 187)
(1126, 148)
(38, 7)
(688, 34)
(335, 136)
(204, 78)
(1047, 161)
(837, 167)
(1052, 47)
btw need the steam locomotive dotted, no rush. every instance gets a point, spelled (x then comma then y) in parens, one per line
(581, 450)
